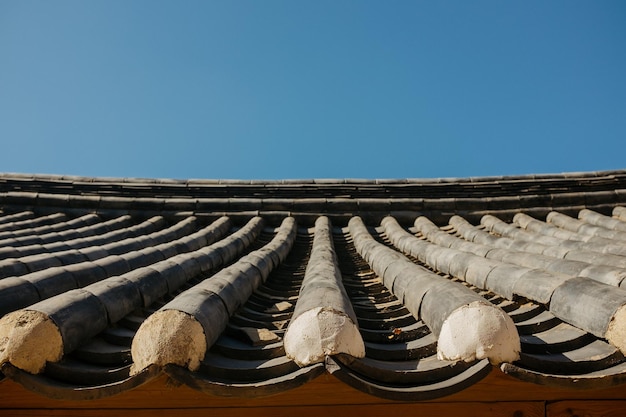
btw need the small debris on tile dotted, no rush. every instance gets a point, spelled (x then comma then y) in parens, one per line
(279, 307)
(260, 337)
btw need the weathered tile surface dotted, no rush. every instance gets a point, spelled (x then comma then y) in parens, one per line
(405, 289)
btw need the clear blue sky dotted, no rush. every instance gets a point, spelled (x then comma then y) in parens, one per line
(312, 89)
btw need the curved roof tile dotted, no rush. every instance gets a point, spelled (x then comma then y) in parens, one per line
(107, 283)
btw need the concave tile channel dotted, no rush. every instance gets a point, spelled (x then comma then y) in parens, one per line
(249, 359)
(401, 352)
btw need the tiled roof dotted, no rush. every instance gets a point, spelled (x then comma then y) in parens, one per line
(404, 289)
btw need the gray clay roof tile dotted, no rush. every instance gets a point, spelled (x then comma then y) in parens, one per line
(106, 283)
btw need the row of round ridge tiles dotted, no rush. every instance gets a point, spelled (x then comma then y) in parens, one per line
(217, 302)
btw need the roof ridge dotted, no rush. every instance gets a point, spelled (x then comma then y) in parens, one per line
(318, 181)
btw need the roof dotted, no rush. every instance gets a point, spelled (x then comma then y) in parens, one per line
(404, 289)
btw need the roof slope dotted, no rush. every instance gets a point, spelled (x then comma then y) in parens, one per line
(405, 289)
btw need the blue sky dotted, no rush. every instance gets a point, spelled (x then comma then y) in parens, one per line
(312, 89)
